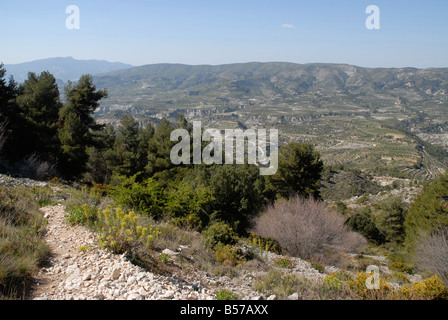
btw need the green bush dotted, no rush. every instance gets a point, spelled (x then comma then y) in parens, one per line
(283, 263)
(428, 212)
(430, 289)
(299, 171)
(318, 267)
(83, 215)
(332, 285)
(219, 233)
(401, 267)
(238, 193)
(265, 243)
(146, 197)
(189, 206)
(225, 295)
(365, 225)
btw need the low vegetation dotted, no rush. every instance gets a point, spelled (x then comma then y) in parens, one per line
(223, 219)
(22, 249)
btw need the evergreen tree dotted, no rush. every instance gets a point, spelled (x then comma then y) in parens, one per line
(159, 149)
(77, 124)
(39, 104)
(10, 121)
(126, 147)
(101, 156)
(391, 220)
(428, 212)
(299, 171)
(238, 192)
(364, 224)
(144, 138)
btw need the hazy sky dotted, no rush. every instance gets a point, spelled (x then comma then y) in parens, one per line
(412, 33)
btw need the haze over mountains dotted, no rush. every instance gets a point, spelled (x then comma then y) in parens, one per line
(63, 68)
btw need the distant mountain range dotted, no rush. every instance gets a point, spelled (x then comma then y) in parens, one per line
(249, 90)
(366, 118)
(63, 68)
(273, 88)
(370, 118)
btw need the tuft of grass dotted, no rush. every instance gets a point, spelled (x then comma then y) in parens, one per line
(318, 267)
(283, 262)
(280, 283)
(77, 197)
(164, 258)
(22, 249)
(83, 215)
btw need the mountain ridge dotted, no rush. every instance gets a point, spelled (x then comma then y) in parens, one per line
(161, 86)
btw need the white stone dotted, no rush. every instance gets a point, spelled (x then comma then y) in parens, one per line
(294, 296)
(135, 296)
(170, 252)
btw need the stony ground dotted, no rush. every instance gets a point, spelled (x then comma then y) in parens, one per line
(93, 273)
(80, 270)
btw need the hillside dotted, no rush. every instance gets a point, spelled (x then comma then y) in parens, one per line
(272, 88)
(373, 119)
(177, 266)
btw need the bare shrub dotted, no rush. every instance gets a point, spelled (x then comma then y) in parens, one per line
(306, 228)
(33, 167)
(432, 253)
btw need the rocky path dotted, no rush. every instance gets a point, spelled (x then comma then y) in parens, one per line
(80, 270)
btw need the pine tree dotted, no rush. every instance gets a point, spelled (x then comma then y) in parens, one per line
(39, 104)
(238, 191)
(428, 212)
(391, 220)
(101, 156)
(126, 147)
(299, 171)
(144, 138)
(159, 149)
(77, 124)
(10, 121)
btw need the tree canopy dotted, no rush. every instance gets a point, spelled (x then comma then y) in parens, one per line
(299, 171)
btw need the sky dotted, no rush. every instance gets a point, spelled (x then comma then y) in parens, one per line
(412, 33)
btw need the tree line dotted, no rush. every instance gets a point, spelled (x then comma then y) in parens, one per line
(37, 123)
